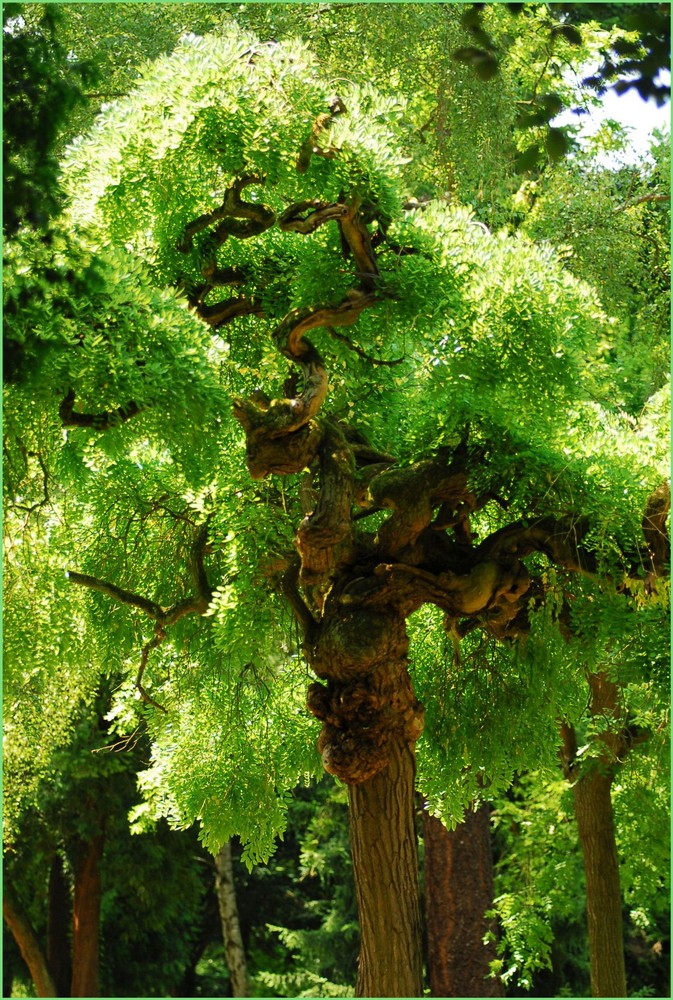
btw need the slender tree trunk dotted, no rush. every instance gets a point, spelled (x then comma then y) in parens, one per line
(595, 821)
(231, 927)
(385, 867)
(592, 783)
(58, 918)
(19, 924)
(86, 919)
(458, 891)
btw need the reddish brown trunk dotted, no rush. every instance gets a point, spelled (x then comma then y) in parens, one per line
(86, 919)
(385, 866)
(458, 891)
(58, 919)
(19, 924)
(595, 821)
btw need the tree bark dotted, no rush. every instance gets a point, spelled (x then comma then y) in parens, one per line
(86, 919)
(458, 891)
(385, 866)
(592, 783)
(595, 821)
(58, 917)
(231, 927)
(19, 924)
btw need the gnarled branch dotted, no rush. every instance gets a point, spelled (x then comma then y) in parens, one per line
(231, 207)
(319, 212)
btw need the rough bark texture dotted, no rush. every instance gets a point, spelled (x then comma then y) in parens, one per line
(592, 783)
(19, 924)
(58, 918)
(595, 821)
(385, 866)
(458, 891)
(86, 919)
(231, 928)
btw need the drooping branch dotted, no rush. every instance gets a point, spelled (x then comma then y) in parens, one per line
(289, 586)
(116, 593)
(159, 636)
(196, 604)
(356, 237)
(358, 350)
(99, 421)
(310, 146)
(164, 617)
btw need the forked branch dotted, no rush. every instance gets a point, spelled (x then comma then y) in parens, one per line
(197, 603)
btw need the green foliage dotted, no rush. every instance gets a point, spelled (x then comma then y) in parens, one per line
(493, 333)
(234, 778)
(273, 96)
(151, 909)
(41, 87)
(491, 711)
(539, 881)
(319, 948)
(611, 228)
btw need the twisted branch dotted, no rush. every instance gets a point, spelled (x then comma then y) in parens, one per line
(319, 212)
(259, 216)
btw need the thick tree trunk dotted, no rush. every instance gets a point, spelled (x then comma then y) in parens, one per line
(231, 928)
(86, 919)
(385, 866)
(58, 918)
(458, 891)
(19, 924)
(595, 821)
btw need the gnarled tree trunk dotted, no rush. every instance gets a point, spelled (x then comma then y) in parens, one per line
(231, 928)
(371, 720)
(458, 891)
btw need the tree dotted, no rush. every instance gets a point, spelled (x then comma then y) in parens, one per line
(75, 906)
(458, 894)
(254, 174)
